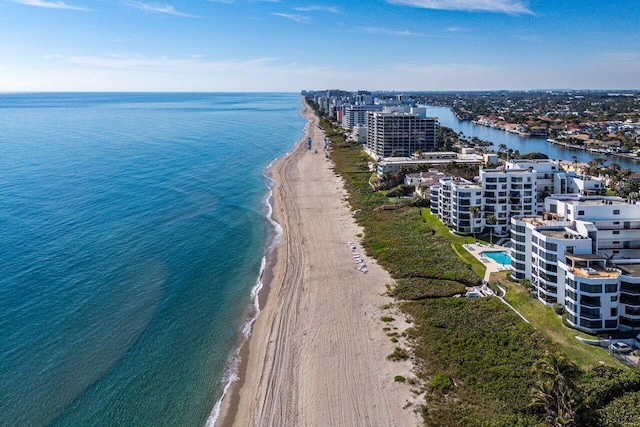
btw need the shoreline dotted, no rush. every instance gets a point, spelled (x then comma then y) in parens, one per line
(228, 403)
(317, 353)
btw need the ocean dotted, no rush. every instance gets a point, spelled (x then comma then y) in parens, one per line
(133, 230)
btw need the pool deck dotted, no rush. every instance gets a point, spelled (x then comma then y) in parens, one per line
(476, 250)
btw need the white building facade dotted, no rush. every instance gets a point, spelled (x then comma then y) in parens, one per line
(583, 253)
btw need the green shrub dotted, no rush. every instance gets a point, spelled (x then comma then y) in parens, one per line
(558, 308)
(399, 379)
(442, 381)
(417, 288)
(399, 353)
(387, 319)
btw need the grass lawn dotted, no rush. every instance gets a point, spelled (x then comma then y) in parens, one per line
(457, 241)
(545, 320)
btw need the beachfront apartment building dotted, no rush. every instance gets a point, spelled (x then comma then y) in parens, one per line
(583, 252)
(356, 115)
(400, 131)
(456, 197)
(518, 189)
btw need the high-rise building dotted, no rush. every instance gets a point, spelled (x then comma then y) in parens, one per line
(400, 132)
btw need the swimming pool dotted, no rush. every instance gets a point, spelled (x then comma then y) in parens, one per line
(501, 257)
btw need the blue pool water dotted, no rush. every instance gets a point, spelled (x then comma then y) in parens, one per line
(501, 257)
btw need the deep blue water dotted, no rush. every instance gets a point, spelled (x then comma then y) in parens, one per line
(132, 230)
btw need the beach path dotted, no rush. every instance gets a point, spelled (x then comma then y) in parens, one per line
(318, 353)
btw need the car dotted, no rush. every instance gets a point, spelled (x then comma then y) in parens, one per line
(620, 347)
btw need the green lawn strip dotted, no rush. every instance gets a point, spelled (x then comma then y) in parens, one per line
(457, 242)
(545, 320)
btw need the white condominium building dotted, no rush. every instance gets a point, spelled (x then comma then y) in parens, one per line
(583, 253)
(356, 115)
(400, 132)
(456, 199)
(518, 189)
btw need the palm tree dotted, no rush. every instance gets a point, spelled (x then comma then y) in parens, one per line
(474, 211)
(555, 390)
(491, 220)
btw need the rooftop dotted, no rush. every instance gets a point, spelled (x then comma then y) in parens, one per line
(539, 221)
(595, 272)
(632, 270)
(599, 202)
(559, 233)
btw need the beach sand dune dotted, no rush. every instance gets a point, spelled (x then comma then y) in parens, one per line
(318, 353)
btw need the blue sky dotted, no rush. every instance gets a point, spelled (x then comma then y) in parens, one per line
(271, 45)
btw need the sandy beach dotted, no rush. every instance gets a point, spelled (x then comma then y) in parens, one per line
(317, 354)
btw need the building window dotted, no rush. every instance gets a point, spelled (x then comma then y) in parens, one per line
(614, 298)
(616, 231)
(580, 212)
(611, 324)
(611, 288)
(591, 324)
(616, 211)
(614, 311)
(591, 289)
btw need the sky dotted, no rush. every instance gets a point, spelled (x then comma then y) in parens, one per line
(291, 45)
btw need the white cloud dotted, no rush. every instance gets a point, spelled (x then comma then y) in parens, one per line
(504, 6)
(49, 4)
(331, 9)
(193, 63)
(298, 18)
(388, 32)
(157, 8)
(454, 29)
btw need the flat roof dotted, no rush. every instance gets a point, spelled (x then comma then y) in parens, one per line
(585, 257)
(598, 202)
(632, 270)
(555, 233)
(595, 272)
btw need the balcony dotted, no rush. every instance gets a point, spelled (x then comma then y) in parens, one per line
(632, 311)
(590, 302)
(630, 289)
(590, 313)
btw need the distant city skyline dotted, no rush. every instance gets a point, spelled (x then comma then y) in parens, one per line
(272, 45)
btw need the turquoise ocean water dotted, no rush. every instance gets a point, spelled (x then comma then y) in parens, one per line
(133, 229)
